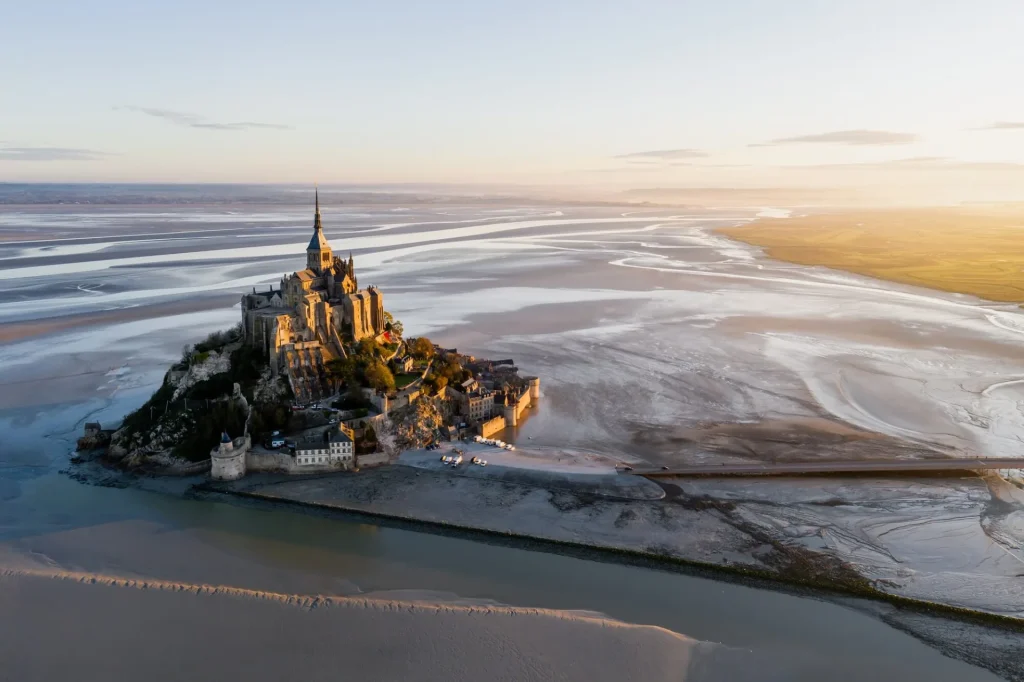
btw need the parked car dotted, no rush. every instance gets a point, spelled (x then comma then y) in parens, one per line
(276, 443)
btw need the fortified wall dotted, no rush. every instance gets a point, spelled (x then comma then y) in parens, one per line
(511, 414)
(227, 461)
(492, 426)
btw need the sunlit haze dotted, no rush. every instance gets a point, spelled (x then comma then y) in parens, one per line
(908, 98)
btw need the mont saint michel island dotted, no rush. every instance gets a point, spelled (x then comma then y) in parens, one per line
(317, 377)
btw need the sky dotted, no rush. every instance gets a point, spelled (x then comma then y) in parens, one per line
(703, 93)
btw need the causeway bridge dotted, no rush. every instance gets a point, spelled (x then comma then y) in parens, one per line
(905, 467)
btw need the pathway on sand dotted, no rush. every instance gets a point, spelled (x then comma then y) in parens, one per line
(955, 465)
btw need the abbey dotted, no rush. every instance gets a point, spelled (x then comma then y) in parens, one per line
(311, 317)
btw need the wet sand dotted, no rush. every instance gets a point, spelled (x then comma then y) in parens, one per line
(128, 600)
(200, 632)
(657, 340)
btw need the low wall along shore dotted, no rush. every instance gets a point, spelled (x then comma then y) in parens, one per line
(511, 413)
(284, 462)
(492, 426)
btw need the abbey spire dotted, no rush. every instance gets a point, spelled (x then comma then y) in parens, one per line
(317, 225)
(318, 253)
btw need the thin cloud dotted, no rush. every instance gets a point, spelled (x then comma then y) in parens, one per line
(195, 121)
(930, 163)
(849, 137)
(664, 155)
(689, 164)
(50, 154)
(647, 168)
(1003, 125)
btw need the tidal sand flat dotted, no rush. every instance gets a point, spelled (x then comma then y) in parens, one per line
(203, 631)
(930, 540)
(659, 342)
(270, 595)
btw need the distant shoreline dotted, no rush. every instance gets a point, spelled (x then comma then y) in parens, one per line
(958, 251)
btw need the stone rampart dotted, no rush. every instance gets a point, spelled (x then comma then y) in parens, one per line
(512, 413)
(192, 468)
(492, 426)
(227, 461)
(372, 460)
(282, 462)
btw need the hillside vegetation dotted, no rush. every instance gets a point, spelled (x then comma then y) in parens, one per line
(187, 414)
(977, 251)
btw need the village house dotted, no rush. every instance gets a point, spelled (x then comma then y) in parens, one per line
(336, 446)
(402, 364)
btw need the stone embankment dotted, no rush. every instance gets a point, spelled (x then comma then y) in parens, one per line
(511, 414)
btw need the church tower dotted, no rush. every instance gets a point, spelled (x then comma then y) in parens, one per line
(318, 253)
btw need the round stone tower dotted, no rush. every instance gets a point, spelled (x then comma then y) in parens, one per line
(227, 463)
(534, 388)
(511, 418)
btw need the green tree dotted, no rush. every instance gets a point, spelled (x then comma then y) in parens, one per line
(369, 439)
(421, 348)
(369, 348)
(343, 371)
(378, 376)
